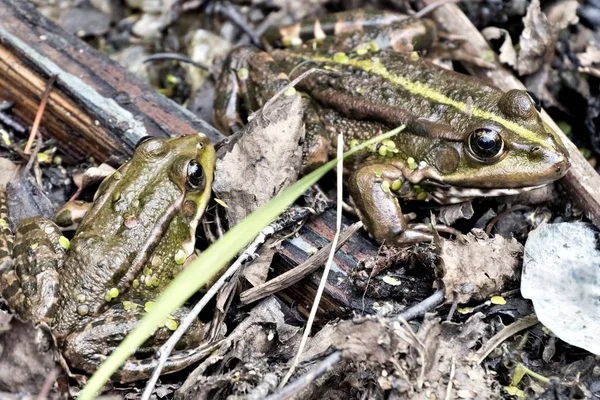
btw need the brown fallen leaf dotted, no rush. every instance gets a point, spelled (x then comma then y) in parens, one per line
(27, 357)
(91, 176)
(420, 363)
(508, 54)
(479, 268)
(8, 171)
(540, 34)
(264, 160)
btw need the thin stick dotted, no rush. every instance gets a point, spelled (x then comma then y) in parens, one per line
(292, 84)
(450, 379)
(514, 328)
(307, 379)
(47, 386)
(421, 308)
(174, 57)
(338, 228)
(40, 113)
(300, 272)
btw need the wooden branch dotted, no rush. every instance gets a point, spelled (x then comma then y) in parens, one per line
(96, 107)
(582, 181)
(300, 272)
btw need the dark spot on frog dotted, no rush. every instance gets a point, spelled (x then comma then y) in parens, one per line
(189, 209)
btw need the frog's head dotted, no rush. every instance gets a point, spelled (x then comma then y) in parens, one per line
(504, 151)
(151, 205)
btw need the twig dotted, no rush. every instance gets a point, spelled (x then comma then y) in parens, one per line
(33, 157)
(174, 57)
(338, 228)
(247, 255)
(452, 308)
(421, 308)
(47, 386)
(302, 382)
(430, 7)
(295, 275)
(40, 113)
(449, 387)
(498, 338)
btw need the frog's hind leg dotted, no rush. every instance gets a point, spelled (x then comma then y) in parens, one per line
(86, 348)
(30, 285)
(6, 236)
(346, 31)
(248, 80)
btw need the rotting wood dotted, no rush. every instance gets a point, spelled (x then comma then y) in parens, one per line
(582, 182)
(96, 107)
(341, 296)
(289, 278)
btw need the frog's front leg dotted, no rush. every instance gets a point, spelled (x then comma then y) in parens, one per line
(371, 188)
(31, 284)
(88, 347)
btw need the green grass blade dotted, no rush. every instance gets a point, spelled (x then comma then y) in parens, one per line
(209, 263)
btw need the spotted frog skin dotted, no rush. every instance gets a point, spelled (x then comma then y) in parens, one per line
(463, 137)
(135, 238)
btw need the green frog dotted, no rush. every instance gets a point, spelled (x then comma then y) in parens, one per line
(138, 234)
(463, 138)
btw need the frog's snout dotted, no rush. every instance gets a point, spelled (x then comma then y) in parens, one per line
(558, 164)
(563, 165)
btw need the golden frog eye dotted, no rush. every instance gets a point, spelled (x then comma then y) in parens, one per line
(486, 144)
(195, 174)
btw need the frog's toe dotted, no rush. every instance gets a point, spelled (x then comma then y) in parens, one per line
(419, 233)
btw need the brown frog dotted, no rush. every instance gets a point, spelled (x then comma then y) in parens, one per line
(463, 138)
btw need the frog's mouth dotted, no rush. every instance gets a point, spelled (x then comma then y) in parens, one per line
(449, 194)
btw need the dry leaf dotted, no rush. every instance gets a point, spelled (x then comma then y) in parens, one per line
(508, 54)
(265, 160)
(561, 276)
(8, 171)
(479, 268)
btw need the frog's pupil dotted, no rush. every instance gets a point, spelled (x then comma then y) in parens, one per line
(486, 142)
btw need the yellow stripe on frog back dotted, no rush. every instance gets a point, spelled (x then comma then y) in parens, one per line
(427, 92)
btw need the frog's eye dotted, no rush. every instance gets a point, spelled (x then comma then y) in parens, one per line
(486, 144)
(195, 174)
(143, 140)
(536, 100)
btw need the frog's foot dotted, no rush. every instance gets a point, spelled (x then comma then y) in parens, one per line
(418, 233)
(372, 189)
(86, 348)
